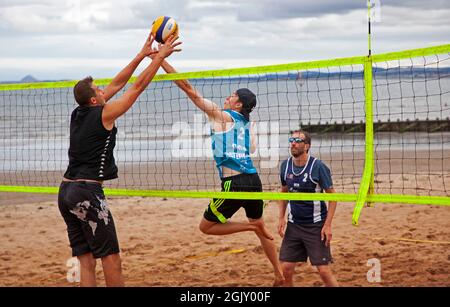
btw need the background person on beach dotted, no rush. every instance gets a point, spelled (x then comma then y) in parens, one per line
(81, 200)
(232, 146)
(308, 231)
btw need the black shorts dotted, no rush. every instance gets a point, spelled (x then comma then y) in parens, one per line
(90, 225)
(304, 241)
(219, 210)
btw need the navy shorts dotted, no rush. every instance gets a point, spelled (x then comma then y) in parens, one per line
(219, 210)
(90, 225)
(301, 242)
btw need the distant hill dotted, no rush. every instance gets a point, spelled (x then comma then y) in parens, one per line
(28, 79)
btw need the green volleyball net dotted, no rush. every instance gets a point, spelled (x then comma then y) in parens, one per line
(412, 125)
(381, 124)
(164, 142)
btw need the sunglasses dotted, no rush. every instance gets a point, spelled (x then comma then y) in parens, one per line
(296, 140)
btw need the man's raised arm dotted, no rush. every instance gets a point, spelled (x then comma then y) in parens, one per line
(210, 108)
(118, 107)
(121, 79)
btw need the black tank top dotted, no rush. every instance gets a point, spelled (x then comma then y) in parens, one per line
(91, 146)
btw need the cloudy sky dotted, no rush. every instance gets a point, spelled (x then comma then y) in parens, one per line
(54, 39)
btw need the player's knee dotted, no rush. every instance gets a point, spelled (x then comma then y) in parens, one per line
(323, 270)
(88, 262)
(113, 261)
(288, 272)
(203, 228)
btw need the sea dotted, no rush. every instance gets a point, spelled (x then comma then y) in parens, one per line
(164, 125)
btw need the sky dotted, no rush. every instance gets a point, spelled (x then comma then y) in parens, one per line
(55, 40)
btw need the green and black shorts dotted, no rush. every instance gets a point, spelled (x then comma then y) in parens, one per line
(219, 210)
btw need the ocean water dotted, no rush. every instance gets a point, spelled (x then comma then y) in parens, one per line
(164, 125)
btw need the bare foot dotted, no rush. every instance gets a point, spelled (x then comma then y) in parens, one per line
(279, 278)
(261, 229)
(278, 282)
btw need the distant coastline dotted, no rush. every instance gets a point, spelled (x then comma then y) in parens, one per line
(29, 79)
(378, 72)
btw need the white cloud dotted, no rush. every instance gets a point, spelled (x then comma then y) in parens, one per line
(104, 35)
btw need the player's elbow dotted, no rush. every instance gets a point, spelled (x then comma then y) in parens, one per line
(330, 190)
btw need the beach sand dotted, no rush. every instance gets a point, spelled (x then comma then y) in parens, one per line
(162, 246)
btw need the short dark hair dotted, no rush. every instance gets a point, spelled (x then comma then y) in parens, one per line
(305, 133)
(248, 100)
(83, 91)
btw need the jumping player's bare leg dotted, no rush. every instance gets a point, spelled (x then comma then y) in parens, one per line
(87, 270)
(271, 252)
(213, 228)
(262, 231)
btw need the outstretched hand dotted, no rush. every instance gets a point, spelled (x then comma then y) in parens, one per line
(167, 48)
(147, 49)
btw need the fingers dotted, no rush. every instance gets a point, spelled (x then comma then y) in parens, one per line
(176, 44)
(169, 45)
(171, 39)
(281, 230)
(153, 52)
(150, 40)
(327, 238)
(176, 49)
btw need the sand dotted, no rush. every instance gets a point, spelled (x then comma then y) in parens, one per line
(162, 246)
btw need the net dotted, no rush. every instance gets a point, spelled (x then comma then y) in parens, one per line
(412, 126)
(164, 142)
(381, 124)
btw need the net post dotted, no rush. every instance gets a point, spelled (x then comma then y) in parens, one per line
(371, 186)
(368, 175)
(369, 28)
(372, 179)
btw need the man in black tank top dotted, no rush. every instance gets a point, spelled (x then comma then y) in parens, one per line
(81, 201)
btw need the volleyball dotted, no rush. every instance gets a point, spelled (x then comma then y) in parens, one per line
(163, 27)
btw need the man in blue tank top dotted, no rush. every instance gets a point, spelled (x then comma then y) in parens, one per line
(232, 145)
(308, 230)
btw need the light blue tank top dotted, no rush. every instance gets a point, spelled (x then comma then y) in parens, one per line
(231, 148)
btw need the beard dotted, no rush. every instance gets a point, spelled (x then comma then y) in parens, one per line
(297, 152)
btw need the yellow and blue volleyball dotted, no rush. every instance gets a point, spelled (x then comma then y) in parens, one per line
(163, 27)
